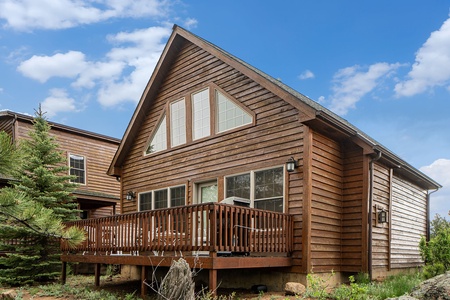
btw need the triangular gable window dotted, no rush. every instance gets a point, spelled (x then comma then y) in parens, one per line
(159, 139)
(229, 114)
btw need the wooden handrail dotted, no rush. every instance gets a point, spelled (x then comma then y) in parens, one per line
(210, 227)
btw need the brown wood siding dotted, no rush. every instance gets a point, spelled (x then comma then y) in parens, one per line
(276, 136)
(352, 214)
(408, 223)
(380, 232)
(326, 204)
(98, 154)
(6, 124)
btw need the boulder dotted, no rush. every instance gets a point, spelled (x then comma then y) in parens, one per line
(294, 288)
(436, 288)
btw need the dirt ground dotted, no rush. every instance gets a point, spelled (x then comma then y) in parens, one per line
(123, 286)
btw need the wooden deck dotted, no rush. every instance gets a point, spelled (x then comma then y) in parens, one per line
(212, 235)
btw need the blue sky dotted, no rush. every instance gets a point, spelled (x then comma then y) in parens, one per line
(382, 65)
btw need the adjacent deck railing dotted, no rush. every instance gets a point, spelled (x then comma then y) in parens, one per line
(212, 227)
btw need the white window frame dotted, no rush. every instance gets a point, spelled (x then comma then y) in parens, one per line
(203, 134)
(252, 184)
(217, 112)
(84, 168)
(169, 202)
(163, 119)
(178, 134)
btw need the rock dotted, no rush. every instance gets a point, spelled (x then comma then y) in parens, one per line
(436, 288)
(8, 295)
(403, 298)
(294, 288)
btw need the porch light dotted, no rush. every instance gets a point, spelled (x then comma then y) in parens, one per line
(130, 196)
(291, 164)
(382, 216)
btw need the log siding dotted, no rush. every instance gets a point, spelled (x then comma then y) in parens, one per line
(275, 136)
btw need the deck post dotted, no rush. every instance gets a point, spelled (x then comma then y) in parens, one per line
(213, 281)
(212, 284)
(64, 273)
(143, 280)
(97, 274)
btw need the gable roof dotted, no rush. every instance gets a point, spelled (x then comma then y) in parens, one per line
(311, 112)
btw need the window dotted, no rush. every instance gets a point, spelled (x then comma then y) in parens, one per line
(159, 139)
(229, 115)
(145, 201)
(163, 198)
(264, 188)
(77, 168)
(206, 117)
(178, 123)
(238, 186)
(269, 189)
(200, 115)
(177, 196)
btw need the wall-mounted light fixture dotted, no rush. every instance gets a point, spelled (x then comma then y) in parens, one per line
(382, 216)
(291, 164)
(130, 196)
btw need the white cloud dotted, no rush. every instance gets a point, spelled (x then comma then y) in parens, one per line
(352, 83)
(121, 77)
(307, 74)
(190, 23)
(58, 101)
(141, 56)
(41, 68)
(49, 14)
(439, 170)
(432, 64)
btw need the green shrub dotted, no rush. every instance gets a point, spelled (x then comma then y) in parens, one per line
(436, 252)
(432, 270)
(354, 291)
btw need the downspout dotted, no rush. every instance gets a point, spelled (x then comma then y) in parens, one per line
(428, 213)
(369, 259)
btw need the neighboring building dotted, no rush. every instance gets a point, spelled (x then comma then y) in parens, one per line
(209, 127)
(88, 156)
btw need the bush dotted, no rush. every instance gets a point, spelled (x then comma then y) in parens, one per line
(436, 253)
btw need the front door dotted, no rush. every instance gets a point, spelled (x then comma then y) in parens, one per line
(206, 192)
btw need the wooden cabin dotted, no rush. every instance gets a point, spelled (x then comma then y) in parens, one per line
(88, 156)
(245, 177)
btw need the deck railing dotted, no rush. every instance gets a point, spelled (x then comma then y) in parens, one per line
(212, 227)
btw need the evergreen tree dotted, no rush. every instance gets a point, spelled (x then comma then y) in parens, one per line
(44, 176)
(33, 208)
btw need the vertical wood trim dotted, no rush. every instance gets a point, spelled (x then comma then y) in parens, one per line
(365, 215)
(307, 195)
(189, 126)
(168, 112)
(212, 110)
(391, 178)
